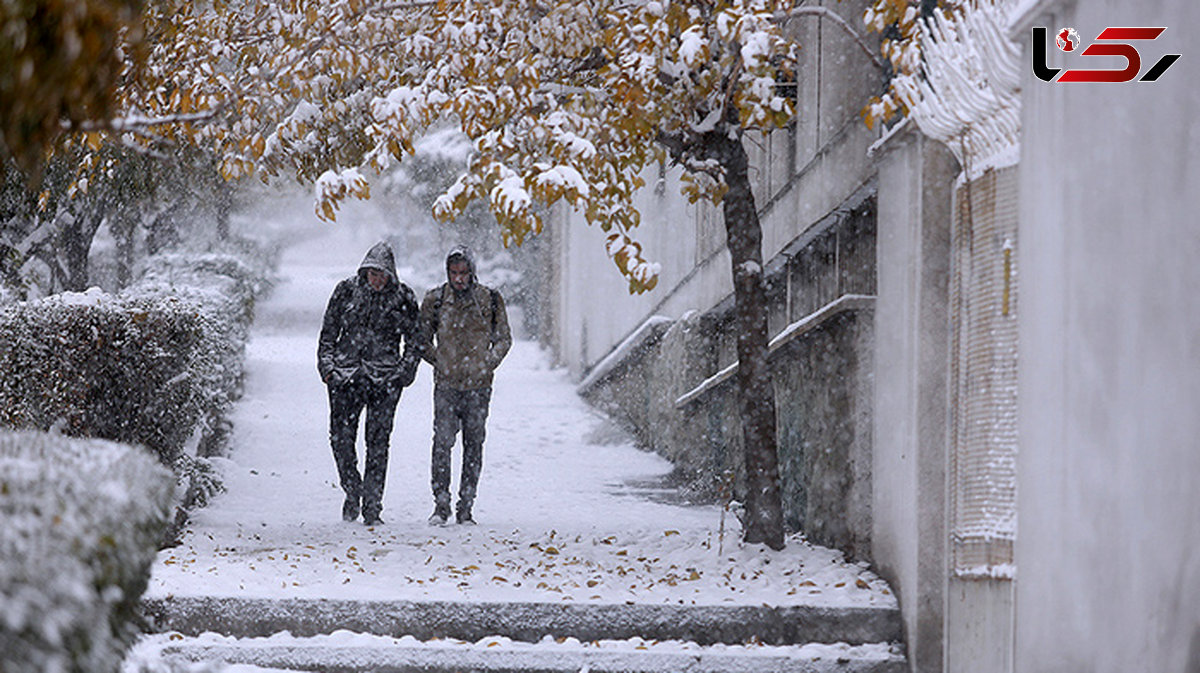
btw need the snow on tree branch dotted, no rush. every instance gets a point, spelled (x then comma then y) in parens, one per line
(562, 102)
(966, 92)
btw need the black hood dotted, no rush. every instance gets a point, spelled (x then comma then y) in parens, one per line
(462, 253)
(380, 257)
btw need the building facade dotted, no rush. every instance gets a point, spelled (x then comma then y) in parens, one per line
(986, 353)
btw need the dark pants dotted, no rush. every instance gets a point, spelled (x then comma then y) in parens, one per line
(346, 402)
(454, 410)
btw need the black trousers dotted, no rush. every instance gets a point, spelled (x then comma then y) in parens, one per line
(454, 410)
(346, 402)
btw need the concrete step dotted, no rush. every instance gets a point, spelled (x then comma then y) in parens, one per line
(528, 622)
(355, 653)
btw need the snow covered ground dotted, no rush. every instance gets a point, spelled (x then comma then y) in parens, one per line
(567, 509)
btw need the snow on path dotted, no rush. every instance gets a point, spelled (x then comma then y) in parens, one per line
(558, 519)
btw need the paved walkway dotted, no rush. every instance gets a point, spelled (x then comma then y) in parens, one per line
(559, 519)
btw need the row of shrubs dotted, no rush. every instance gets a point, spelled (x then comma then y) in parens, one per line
(158, 365)
(81, 519)
(155, 370)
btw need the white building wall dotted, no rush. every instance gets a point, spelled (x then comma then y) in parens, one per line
(910, 405)
(794, 188)
(598, 312)
(1108, 545)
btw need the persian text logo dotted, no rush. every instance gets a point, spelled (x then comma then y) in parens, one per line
(1111, 42)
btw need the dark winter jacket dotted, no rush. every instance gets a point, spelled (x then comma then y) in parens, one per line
(363, 327)
(464, 335)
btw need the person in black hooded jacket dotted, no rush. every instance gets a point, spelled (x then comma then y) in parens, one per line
(359, 358)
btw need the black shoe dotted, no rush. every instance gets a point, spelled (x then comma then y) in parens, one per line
(463, 516)
(372, 520)
(441, 514)
(350, 509)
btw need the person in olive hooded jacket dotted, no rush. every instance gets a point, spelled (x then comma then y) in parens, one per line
(359, 358)
(464, 334)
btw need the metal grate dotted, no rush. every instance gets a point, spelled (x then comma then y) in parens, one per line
(983, 367)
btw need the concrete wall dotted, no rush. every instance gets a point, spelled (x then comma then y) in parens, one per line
(979, 625)
(823, 417)
(911, 376)
(822, 378)
(1108, 548)
(593, 310)
(814, 193)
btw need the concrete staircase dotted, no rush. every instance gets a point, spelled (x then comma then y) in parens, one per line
(394, 636)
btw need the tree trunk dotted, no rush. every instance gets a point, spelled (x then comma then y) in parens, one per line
(72, 253)
(224, 207)
(756, 395)
(75, 242)
(124, 229)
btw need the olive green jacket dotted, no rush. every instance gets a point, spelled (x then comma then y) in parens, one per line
(464, 336)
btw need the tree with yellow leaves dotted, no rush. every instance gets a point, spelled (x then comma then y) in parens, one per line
(563, 102)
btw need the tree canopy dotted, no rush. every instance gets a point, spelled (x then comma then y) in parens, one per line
(564, 102)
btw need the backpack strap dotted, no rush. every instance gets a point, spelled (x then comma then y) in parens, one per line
(437, 310)
(495, 308)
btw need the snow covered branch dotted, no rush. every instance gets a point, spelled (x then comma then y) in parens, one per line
(136, 122)
(967, 91)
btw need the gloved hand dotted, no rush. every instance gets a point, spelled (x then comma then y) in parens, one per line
(406, 373)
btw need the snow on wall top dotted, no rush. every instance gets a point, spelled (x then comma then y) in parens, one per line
(967, 92)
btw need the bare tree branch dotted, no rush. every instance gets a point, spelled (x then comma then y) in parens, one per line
(136, 122)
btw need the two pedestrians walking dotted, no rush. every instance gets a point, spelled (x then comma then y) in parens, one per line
(372, 338)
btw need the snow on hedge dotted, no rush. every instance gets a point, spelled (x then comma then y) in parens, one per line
(159, 365)
(94, 365)
(81, 524)
(223, 287)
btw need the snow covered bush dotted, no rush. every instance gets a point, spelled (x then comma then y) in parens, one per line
(223, 288)
(81, 524)
(94, 365)
(150, 366)
(159, 365)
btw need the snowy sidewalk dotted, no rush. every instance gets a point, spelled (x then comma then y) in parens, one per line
(559, 521)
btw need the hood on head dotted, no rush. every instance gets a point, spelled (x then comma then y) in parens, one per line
(461, 253)
(380, 257)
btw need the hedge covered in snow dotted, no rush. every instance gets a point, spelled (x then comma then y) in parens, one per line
(224, 287)
(81, 521)
(92, 365)
(158, 365)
